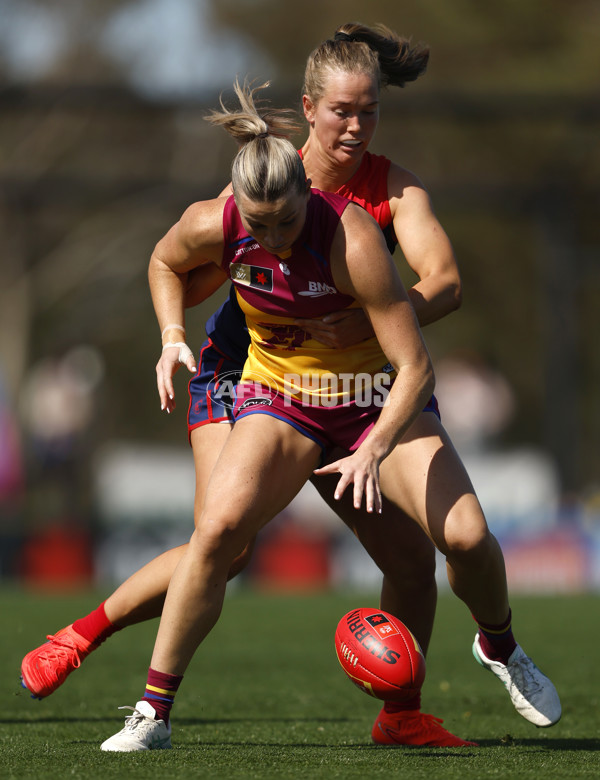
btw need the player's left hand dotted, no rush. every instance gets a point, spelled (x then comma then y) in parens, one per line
(338, 329)
(363, 473)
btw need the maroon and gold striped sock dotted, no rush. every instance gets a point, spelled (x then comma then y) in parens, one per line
(160, 692)
(497, 641)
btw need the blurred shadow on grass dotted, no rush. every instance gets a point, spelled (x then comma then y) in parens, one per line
(32, 720)
(531, 744)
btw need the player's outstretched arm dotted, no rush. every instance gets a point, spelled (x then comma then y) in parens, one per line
(426, 247)
(195, 241)
(379, 289)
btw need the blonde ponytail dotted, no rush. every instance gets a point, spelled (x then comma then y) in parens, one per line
(267, 166)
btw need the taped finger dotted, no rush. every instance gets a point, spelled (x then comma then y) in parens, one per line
(184, 351)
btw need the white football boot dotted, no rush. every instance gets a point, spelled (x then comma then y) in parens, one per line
(141, 732)
(532, 693)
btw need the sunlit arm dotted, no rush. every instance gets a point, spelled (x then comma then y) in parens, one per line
(425, 246)
(382, 295)
(202, 282)
(194, 241)
(428, 252)
(380, 292)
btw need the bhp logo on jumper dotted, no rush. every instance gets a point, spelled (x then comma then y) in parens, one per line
(316, 289)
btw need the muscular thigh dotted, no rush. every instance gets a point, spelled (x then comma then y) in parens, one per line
(393, 540)
(425, 477)
(207, 442)
(262, 466)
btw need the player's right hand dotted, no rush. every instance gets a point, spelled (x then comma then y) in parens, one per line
(173, 356)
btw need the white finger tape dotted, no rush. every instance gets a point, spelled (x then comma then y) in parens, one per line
(184, 351)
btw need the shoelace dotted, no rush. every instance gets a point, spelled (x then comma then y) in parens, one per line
(424, 724)
(56, 647)
(135, 719)
(431, 721)
(523, 674)
(435, 726)
(423, 718)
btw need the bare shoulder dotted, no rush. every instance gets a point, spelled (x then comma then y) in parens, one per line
(400, 178)
(359, 250)
(354, 217)
(405, 190)
(196, 238)
(358, 228)
(205, 215)
(201, 225)
(226, 192)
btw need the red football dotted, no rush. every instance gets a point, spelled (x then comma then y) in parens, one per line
(379, 654)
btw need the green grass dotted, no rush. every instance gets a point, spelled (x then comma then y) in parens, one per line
(266, 698)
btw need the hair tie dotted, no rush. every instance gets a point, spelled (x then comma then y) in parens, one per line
(342, 36)
(264, 134)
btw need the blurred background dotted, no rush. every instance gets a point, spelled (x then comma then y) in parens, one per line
(102, 146)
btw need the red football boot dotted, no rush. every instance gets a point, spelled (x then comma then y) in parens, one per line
(45, 669)
(412, 727)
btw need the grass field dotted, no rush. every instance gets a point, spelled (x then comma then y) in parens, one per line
(266, 698)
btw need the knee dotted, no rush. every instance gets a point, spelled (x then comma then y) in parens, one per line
(469, 541)
(217, 537)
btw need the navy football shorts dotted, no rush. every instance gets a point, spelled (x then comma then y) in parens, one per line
(211, 389)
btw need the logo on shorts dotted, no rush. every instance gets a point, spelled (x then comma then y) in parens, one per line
(221, 388)
(256, 401)
(225, 389)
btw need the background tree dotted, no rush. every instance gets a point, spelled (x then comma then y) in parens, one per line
(101, 150)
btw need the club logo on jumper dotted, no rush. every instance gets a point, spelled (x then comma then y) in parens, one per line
(317, 289)
(381, 625)
(252, 276)
(288, 337)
